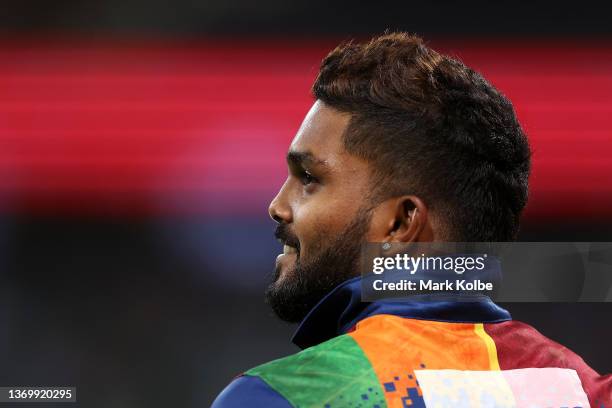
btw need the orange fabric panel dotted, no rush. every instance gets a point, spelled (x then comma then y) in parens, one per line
(397, 346)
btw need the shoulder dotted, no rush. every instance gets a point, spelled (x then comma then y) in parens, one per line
(247, 390)
(519, 345)
(335, 372)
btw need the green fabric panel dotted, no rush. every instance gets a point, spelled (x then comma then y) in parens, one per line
(335, 373)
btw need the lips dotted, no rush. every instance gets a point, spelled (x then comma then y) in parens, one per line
(291, 245)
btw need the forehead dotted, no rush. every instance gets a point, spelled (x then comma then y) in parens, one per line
(321, 133)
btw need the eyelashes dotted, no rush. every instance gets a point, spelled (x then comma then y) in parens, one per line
(307, 178)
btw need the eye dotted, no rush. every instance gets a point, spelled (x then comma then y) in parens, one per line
(306, 178)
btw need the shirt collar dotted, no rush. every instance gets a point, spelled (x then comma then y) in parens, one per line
(342, 309)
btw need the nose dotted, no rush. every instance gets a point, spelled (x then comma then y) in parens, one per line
(279, 209)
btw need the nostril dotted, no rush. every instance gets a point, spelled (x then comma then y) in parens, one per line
(280, 209)
(279, 213)
(274, 215)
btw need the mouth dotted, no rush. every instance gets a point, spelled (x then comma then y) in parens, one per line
(288, 249)
(286, 260)
(290, 245)
(291, 248)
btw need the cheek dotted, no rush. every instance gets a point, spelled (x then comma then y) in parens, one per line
(320, 221)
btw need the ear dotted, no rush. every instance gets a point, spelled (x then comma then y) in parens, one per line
(401, 219)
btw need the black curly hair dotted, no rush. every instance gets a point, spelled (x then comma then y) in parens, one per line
(434, 128)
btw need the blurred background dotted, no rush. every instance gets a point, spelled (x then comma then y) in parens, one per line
(141, 142)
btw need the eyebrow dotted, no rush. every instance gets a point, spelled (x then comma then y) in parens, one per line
(304, 158)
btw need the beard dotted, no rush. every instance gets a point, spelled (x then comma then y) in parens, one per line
(292, 297)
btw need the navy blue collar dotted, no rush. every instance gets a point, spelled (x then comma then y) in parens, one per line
(342, 308)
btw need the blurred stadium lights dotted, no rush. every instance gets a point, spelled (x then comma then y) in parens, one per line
(202, 129)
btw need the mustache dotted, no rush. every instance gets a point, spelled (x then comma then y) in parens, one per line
(283, 234)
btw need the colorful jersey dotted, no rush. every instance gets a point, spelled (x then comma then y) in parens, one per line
(418, 354)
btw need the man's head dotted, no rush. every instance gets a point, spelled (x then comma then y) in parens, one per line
(401, 145)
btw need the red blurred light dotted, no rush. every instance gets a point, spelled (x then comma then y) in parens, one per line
(203, 128)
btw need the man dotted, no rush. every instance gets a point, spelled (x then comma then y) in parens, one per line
(403, 145)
